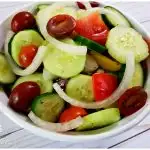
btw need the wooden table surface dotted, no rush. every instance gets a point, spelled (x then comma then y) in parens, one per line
(15, 137)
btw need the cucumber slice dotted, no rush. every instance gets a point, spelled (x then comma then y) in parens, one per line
(45, 86)
(6, 74)
(80, 88)
(42, 6)
(23, 38)
(100, 119)
(122, 40)
(115, 18)
(9, 45)
(48, 106)
(138, 77)
(63, 64)
(89, 43)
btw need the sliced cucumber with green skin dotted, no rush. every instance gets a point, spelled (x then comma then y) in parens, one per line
(122, 40)
(119, 73)
(89, 43)
(100, 119)
(45, 86)
(138, 77)
(48, 106)
(115, 18)
(42, 6)
(23, 38)
(80, 88)
(6, 74)
(9, 45)
(1, 89)
(63, 64)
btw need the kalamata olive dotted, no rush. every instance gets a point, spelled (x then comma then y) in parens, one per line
(62, 83)
(132, 100)
(81, 5)
(22, 20)
(94, 4)
(22, 96)
(61, 26)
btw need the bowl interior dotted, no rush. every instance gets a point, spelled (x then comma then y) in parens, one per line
(111, 130)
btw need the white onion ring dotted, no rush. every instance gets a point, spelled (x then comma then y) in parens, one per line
(73, 49)
(87, 5)
(47, 75)
(57, 127)
(33, 66)
(129, 71)
(101, 10)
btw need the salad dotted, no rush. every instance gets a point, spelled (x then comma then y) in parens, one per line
(74, 67)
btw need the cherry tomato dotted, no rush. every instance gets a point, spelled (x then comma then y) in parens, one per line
(132, 100)
(22, 20)
(22, 96)
(27, 54)
(61, 26)
(93, 28)
(104, 85)
(72, 113)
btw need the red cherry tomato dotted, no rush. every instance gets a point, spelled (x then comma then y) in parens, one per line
(72, 113)
(27, 54)
(22, 20)
(61, 26)
(132, 100)
(104, 85)
(22, 96)
(93, 28)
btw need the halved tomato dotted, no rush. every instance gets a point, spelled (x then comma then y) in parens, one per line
(93, 28)
(104, 85)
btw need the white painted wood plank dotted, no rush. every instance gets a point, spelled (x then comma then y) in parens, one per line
(23, 138)
(7, 125)
(147, 25)
(141, 141)
(136, 9)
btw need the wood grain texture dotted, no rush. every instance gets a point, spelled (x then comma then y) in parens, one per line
(15, 137)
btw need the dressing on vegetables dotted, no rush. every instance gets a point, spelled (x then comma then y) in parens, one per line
(74, 67)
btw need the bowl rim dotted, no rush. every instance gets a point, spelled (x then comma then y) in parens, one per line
(66, 137)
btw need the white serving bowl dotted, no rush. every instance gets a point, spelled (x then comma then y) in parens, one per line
(112, 130)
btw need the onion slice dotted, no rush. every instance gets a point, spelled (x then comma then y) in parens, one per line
(57, 127)
(69, 48)
(129, 71)
(47, 75)
(87, 5)
(102, 10)
(33, 66)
